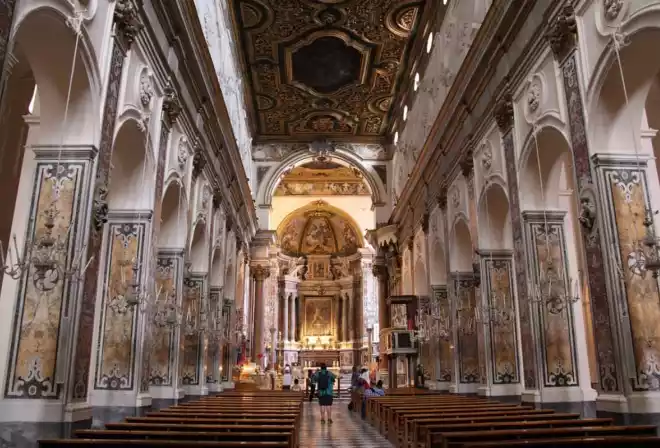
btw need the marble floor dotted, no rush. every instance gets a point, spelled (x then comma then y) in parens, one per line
(347, 430)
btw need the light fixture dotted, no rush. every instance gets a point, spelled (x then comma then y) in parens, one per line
(405, 112)
(396, 137)
(429, 43)
(416, 83)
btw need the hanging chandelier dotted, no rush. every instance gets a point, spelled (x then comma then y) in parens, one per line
(552, 288)
(465, 315)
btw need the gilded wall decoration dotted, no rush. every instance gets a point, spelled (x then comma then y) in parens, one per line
(42, 301)
(467, 343)
(324, 68)
(164, 346)
(503, 337)
(322, 179)
(115, 359)
(319, 316)
(555, 317)
(445, 352)
(628, 201)
(193, 288)
(318, 229)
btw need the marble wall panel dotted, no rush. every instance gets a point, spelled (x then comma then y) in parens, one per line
(116, 352)
(43, 300)
(555, 317)
(213, 351)
(444, 352)
(639, 302)
(163, 342)
(468, 340)
(503, 334)
(193, 289)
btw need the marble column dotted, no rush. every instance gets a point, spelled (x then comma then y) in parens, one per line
(286, 318)
(611, 372)
(259, 273)
(294, 323)
(127, 25)
(351, 317)
(344, 318)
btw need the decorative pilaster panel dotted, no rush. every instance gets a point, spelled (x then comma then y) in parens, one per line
(164, 342)
(562, 41)
(117, 335)
(41, 328)
(445, 350)
(636, 298)
(227, 358)
(504, 119)
(503, 334)
(467, 341)
(127, 26)
(547, 259)
(193, 290)
(213, 351)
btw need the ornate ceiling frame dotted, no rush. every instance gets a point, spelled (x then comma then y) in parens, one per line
(293, 111)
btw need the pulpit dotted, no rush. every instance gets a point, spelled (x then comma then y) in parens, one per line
(400, 347)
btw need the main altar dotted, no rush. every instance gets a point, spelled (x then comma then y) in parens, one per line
(320, 287)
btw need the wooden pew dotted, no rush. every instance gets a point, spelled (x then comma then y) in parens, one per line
(212, 420)
(573, 442)
(459, 438)
(390, 414)
(416, 427)
(376, 405)
(121, 443)
(208, 433)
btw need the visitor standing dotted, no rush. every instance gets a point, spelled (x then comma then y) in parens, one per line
(325, 381)
(286, 378)
(311, 383)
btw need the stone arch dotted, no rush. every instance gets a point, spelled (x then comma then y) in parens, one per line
(216, 274)
(494, 218)
(461, 246)
(545, 168)
(173, 228)
(420, 278)
(199, 247)
(267, 187)
(438, 263)
(40, 76)
(131, 173)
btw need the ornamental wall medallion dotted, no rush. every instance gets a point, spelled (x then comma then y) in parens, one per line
(612, 9)
(182, 153)
(146, 89)
(534, 96)
(486, 156)
(324, 67)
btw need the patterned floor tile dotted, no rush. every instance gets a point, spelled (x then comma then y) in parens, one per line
(347, 431)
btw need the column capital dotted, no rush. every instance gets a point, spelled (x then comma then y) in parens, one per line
(127, 23)
(259, 272)
(563, 32)
(442, 198)
(425, 222)
(467, 164)
(504, 113)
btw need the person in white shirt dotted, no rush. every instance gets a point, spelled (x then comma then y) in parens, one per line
(296, 386)
(286, 378)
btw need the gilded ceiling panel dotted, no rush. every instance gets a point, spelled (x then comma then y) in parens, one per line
(322, 179)
(324, 68)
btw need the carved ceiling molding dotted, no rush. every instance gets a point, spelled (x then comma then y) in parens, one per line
(326, 68)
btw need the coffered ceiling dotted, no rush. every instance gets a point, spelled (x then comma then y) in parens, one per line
(324, 69)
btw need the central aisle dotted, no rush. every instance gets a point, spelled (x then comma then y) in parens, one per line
(347, 430)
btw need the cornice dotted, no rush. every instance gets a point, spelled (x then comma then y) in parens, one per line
(449, 137)
(180, 19)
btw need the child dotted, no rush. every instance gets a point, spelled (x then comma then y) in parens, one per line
(296, 386)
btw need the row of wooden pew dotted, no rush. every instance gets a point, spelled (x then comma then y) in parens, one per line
(414, 419)
(231, 419)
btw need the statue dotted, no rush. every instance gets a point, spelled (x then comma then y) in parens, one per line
(587, 216)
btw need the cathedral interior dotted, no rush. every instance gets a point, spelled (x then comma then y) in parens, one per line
(457, 195)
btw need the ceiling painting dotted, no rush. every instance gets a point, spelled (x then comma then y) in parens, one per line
(319, 229)
(322, 178)
(324, 68)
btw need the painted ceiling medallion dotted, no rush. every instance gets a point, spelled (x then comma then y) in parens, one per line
(324, 68)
